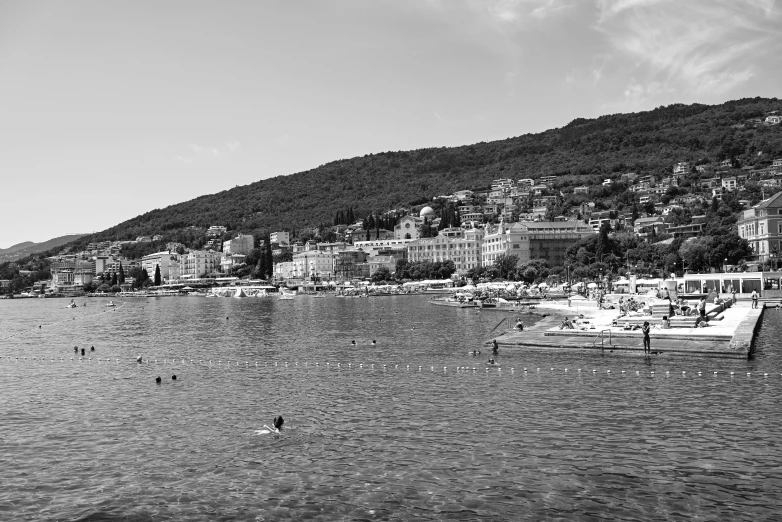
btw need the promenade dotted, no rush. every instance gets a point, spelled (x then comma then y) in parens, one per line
(730, 335)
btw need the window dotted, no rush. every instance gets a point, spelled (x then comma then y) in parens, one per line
(762, 226)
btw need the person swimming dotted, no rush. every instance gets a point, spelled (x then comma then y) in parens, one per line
(475, 353)
(276, 426)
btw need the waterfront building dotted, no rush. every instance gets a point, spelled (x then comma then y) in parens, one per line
(197, 263)
(378, 262)
(228, 261)
(241, 244)
(761, 226)
(351, 264)
(158, 259)
(533, 240)
(465, 252)
(312, 264)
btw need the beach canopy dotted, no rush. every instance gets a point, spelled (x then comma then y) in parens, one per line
(543, 285)
(592, 285)
(577, 285)
(510, 288)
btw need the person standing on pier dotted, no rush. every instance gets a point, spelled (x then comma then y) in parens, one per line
(754, 298)
(647, 341)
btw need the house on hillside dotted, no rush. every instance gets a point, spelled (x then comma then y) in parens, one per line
(581, 190)
(729, 183)
(648, 225)
(682, 167)
(774, 119)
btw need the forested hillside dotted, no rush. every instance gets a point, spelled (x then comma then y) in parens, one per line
(646, 142)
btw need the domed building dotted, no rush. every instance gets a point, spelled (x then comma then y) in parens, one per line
(426, 212)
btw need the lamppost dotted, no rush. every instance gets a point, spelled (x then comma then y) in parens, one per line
(725, 269)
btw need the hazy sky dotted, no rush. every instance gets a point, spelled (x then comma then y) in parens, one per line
(109, 109)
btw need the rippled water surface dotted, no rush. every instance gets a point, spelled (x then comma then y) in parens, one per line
(98, 440)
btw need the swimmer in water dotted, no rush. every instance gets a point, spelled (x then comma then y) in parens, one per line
(277, 425)
(475, 353)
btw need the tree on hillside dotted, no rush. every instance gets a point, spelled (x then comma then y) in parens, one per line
(121, 278)
(157, 275)
(113, 278)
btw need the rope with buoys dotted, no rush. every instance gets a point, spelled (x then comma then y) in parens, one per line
(351, 367)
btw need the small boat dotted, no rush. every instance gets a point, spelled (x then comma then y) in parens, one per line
(71, 304)
(110, 303)
(286, 295)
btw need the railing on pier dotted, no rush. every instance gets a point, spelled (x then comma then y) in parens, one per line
(601, 336)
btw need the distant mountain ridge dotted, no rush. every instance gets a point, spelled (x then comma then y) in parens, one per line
(587, 150)
(28, 247)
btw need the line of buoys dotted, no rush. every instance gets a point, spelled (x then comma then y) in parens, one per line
(286, 364)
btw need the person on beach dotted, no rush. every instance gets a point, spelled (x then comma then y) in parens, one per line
(647, 341)
(754, 297)
(702, 308)
(495, 348)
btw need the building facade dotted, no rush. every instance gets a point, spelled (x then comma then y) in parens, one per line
(158, 259)
(761, 225)
(196, 263)
(464, 252)
(241, 244)
(533, 240)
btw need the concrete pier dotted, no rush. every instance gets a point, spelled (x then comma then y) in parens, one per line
(731, 336)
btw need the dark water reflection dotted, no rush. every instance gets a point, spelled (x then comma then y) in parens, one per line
(97, 440)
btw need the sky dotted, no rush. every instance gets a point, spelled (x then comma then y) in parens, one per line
(111, 108)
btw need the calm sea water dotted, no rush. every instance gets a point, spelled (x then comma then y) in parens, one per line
(97, 440)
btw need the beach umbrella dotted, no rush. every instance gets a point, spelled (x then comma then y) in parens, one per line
(592, 285)
(543, 285)
(510, 288)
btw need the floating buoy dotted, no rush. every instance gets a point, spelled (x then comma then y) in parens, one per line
(623, 371)
(609, 371)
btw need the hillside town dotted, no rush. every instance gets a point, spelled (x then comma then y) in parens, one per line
(534, 219)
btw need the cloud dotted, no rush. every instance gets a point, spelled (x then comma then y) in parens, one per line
(184, 160)
(701, 47)
(520, 10)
